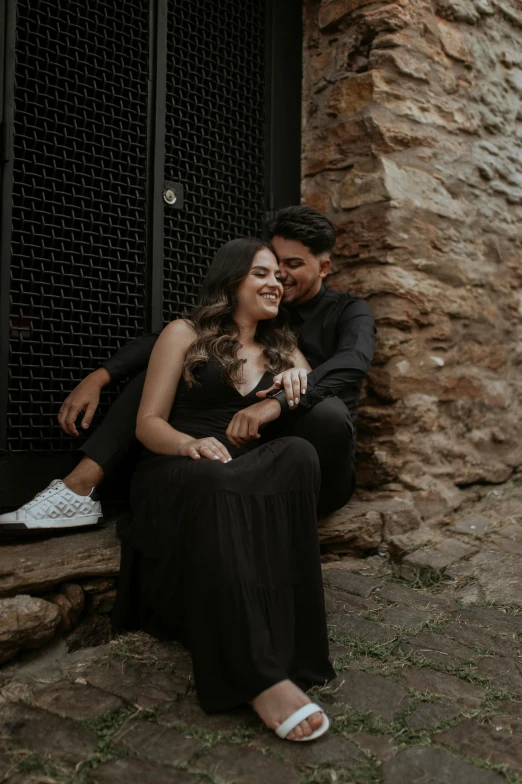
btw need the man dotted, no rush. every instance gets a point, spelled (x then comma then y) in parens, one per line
(335, 332)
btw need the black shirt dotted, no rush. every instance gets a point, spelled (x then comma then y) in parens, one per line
(336, 333)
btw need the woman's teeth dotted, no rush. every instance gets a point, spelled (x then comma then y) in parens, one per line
(269, 296)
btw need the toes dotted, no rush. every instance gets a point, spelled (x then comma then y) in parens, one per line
(315, 721)
(306, 728)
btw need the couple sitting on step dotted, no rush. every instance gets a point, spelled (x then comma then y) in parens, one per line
(247, 418)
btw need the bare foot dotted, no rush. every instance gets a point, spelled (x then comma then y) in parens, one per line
(84, 477)
(276, 704)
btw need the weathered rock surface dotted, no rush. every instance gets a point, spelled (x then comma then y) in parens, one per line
(437, 767)
(411, 146)
(36, 566)
(25, 727)
(76, 701)
(133, 771)
(225, 766)
(25, 622)
(136, 683)
(444, 685)
(368, 692)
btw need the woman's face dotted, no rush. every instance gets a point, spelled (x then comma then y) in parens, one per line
(259, 294)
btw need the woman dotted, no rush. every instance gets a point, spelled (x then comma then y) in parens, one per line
(222, 552)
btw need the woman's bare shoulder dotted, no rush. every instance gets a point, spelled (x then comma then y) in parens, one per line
(179, 330)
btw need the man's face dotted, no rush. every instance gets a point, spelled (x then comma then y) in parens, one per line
(301, 272)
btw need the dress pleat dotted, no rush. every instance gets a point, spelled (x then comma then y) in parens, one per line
(225, 558)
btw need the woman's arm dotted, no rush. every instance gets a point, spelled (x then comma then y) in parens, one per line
(161, 383)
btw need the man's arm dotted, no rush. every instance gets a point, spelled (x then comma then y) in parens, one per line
(131, 358)
(128, 361)
(343, 374)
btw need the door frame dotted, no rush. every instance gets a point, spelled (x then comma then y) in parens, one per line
(22, 474)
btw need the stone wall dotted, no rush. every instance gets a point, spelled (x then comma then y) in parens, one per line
(412, 146)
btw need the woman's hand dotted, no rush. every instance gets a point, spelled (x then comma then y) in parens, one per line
(294, 382)
(205, 447)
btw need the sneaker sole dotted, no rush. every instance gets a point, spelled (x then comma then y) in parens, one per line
(68, 526)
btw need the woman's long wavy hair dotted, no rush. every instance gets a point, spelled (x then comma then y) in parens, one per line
(217, 332)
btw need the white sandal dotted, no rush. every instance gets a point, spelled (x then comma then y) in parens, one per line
(300, 715)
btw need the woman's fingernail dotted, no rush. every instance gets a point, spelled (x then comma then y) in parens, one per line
(296, 400)
(303, 391)
(216, 457)
(290, 402)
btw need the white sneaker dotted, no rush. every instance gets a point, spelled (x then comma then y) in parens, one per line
(54, 508)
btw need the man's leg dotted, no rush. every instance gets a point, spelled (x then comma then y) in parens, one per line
(328, 427)
(70, 503)
(112, 441)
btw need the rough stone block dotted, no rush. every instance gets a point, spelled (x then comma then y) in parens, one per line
(367, 692)
(159, 744)
(25, 622)
(491, 618)
(350, 95)
(99, 603)
(36, 566)
(25, 727)
(430, 715)
(76, 701)
(453, 42)
(497, 577)
(503, 672)
(135, 683)
(331, 12)
(329, 750)
(457, 11)
(227, 766)
(435, 766)
(475, 525)
(477, 637)
(188, 712)
(92, 631)
(381, 747)
(344, 625)
(345, 580)
(437, 648)
(508, 716)
(444, 685)
(354, 526)
(483, 742)
(438, 558)
(400, 594)
(133, 771)
(407, 618)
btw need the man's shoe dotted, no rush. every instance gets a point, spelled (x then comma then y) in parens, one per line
(54, 509)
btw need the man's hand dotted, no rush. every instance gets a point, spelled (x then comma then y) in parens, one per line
(245, 425)
(294, 383)
(85, 397)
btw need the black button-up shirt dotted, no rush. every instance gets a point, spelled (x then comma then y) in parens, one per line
(336, 333)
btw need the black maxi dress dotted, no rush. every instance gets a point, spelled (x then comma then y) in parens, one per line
(224, 557)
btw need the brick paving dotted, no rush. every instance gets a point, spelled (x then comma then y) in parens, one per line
(429, 687)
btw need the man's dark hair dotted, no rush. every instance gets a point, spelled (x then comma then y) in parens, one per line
(306, 225)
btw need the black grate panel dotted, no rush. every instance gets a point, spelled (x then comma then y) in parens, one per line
(78, 254)
(215, 136)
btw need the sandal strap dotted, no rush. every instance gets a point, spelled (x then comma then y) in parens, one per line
(296, 718)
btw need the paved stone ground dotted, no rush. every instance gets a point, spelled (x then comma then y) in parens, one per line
(429, 689)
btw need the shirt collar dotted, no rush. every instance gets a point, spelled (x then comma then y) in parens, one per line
(306, 308)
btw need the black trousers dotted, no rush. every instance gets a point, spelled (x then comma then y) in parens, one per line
(327, 426)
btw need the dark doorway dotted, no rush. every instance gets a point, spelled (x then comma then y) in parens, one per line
(137, 138)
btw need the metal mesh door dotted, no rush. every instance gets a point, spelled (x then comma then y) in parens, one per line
(78, 252)
(215, 133)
